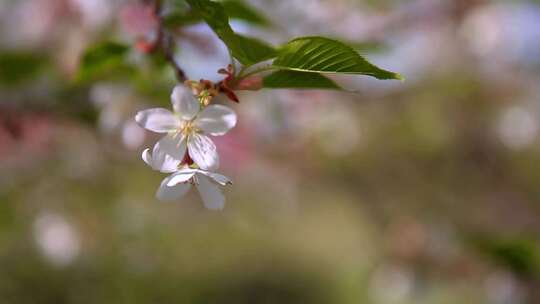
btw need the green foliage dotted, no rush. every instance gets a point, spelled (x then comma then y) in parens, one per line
(299, 63)
(300, 80)
(102, 60)
(179, 15)
(16, 68)
(180, 18)
(305, 54)
(235, 9)
(522, 256)
(212, 13)
(238, 9)
(324, 55)
(247, 51)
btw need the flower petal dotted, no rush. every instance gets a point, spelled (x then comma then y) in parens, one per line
(157, 120)
(174, 146)
(180, 177)
(218, 178)
(166, 193)
(184, 102)
(216, 120)
(147, 157)
(164, 162)
(160, 160)
(210, 193)
(203, 152)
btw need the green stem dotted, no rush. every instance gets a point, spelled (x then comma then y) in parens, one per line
(233, 63)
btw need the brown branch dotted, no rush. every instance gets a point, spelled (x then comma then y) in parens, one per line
(169, 56)
(165, 43)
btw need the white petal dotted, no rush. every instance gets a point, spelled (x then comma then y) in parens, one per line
(174, 146)
(180, 177)
(166, 193)
(203, 152)
(184, 102)
(216, 120)
(157, 120)
(147, 157)
(218, 178)
(160, 160)
(211, 195)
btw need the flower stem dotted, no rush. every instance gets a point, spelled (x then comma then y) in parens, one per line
(233, 63)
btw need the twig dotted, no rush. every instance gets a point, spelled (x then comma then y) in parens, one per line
(169, 56)
(165, 43)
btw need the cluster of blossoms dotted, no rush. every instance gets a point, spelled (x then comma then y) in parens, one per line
(186, 152)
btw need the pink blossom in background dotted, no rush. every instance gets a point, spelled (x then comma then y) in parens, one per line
(236, 149)
(24, 136)
(94, 13)
(139, 21)
(31, 23)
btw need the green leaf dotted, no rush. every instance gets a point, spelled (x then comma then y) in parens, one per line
(300, 80)
(235, 9)
(238, 9)
(247, 50)
(324, 55)
(180, 18)
(212, 12)
(103, 60)
(17, 67)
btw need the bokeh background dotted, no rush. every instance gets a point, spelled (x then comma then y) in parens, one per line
(422, 191)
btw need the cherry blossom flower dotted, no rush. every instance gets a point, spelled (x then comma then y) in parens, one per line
(207, 183)
(178, 184)
(187, 128)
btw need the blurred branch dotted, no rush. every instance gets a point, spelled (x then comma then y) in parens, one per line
(165, 44)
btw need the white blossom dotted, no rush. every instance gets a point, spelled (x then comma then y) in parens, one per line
(187, 129)
(207, 183)
(178, 184)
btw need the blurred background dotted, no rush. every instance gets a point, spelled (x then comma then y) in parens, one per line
(423, 191)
